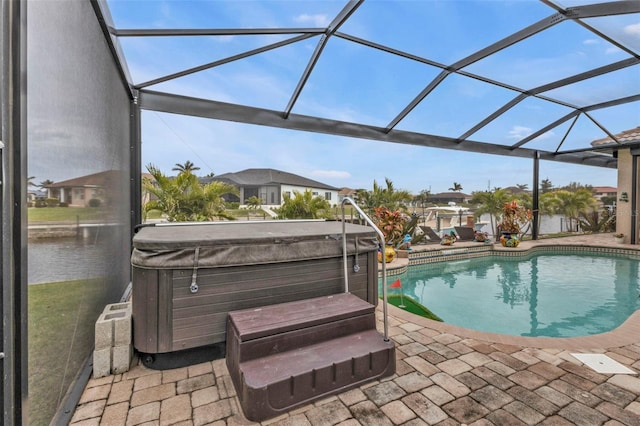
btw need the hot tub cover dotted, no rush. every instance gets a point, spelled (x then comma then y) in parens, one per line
(216, 244)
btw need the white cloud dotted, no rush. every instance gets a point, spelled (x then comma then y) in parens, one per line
(611, 50)
(545, 136)
(331, 174)
(519, 132)
(591, 41)
(633, 29)
(316, 20)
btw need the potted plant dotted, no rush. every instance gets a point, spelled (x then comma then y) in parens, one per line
(391, 224)
(481, 237)
(448, 240)
(619, 238)
(514, 217)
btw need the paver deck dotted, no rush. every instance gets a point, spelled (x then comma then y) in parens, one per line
(445, 375)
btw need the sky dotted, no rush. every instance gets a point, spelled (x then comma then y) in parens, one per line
(354, 83)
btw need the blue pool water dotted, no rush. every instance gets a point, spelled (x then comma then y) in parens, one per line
(555, 295)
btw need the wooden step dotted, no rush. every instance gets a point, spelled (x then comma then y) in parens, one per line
(272, 385)
(254, 333)
(283, 356)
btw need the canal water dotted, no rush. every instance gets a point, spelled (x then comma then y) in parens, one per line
(65, 259)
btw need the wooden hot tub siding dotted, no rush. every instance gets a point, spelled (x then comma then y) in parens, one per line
(171, 318)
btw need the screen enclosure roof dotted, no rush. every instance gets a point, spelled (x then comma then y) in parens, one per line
(560, 78)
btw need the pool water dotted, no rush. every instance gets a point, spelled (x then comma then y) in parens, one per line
(547, 294)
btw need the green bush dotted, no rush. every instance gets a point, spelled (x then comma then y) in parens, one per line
(40, 203)
(52, 202)
(63, 205)
(94, 202)
(231, 205)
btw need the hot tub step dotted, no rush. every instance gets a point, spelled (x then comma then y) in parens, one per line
(283, 356)
(274, 384)
(255, 333)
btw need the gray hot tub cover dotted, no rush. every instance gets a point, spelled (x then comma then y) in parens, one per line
(185, 246)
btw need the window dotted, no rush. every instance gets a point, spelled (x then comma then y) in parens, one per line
(327, 196)
(314, 193)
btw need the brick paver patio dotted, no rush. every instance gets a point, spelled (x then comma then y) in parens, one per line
(445, 375)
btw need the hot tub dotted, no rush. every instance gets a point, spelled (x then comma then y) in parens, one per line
(187, 277)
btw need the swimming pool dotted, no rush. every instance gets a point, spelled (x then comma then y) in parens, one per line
(542, 294)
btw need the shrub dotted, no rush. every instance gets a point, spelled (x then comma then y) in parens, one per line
(40, 203)
(94, 202)
(63, 205)
(52, 202)
(232, 205)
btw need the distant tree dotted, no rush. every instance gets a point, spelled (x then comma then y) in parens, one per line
(188, 166)
(572, 204)
(210, 174)
(546, 185)
(456, 187)
(304, 205)
(574, 186)
(185, 199)
(388, 196)
(30, 181)
(422, 200)
(491, 203)
(608, 200)
(45, 183)
(253, 202)
(523, 186)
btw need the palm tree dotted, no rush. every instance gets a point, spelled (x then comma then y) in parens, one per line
(456, 187)
(253, 202)
(185, 199)
(45, 183)
(304, 206)
(389, 196)
(546, 185)
(30, 181)
(188, 166)
(491, 203)
(422, 199)
(572, 204)
(522, 186)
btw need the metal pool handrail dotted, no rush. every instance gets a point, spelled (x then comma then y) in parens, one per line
(384, 260)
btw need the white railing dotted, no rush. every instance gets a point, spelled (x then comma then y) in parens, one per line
(384, 261)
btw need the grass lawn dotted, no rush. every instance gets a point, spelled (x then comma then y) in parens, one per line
(65, 214)
(61, 319)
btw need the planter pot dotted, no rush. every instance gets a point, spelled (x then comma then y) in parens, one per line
(509, 240)
(619, 240)
(402, 254)
(447, 240)
(389, 254)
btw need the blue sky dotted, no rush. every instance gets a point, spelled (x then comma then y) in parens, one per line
(355, 83)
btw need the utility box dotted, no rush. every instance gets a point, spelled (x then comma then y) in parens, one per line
(187, 277)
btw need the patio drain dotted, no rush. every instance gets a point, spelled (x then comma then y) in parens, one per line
(603, 364)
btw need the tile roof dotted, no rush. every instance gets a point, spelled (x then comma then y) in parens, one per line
(626, 136)
(258, 177)
(100, 179)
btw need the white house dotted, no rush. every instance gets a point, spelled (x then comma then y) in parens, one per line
(271, 185)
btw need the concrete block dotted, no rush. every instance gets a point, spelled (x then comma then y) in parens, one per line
(121, 324)
(124, 306)
(113, 327)
(102, 362)
(121, 358)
